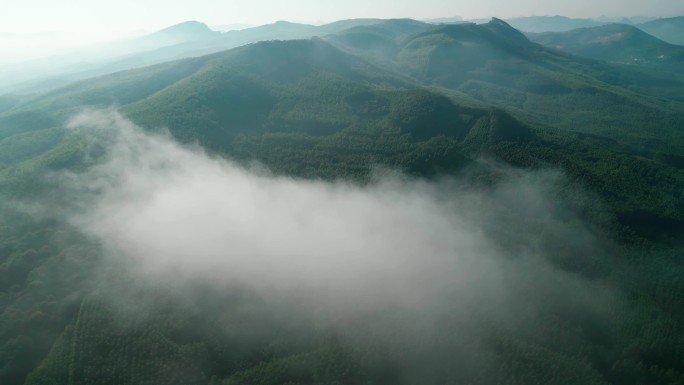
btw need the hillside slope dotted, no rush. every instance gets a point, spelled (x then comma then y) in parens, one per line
(188, 39)
(615, 43)
(670, 30)
(497, 64)
(311, 109)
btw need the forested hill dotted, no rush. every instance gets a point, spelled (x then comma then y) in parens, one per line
(617, 43)
(669, 29)
(496, 64)
(189, 39)
(466, 106)
(312, 88)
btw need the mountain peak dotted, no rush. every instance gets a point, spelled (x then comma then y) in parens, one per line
(187, 30)
(506, 34)
(670, 29)
(500, 26)
(496, 20)
(619, 43)
(192, 26)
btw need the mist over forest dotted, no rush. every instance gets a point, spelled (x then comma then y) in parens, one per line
(380, 201)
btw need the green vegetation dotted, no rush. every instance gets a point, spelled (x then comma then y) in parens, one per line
(669, 29)
(617, 43)
(429, 101)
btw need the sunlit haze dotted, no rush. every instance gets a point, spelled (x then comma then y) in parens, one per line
(35, 28)
(107, 17)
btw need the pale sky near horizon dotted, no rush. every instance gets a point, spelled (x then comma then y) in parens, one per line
(114, 17)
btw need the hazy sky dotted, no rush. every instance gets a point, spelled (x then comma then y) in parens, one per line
(105, 17)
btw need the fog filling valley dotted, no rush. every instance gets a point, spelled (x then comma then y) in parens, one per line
(452, 251)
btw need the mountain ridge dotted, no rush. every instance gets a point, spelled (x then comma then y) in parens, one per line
(618, 43)
(670, 29)
(470, 102)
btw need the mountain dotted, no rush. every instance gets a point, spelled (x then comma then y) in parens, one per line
(176, 34)
(260, 89)
(378, 42)
(303, 108)
(180, 41)
(266, 87)
(617, 43)
(479, 60)
(670, 30)
(633, 20)
(285, 29)
(50, 72)
(539, 24)
(8, 101)
(231, 27)
(445, 20)
(430, 101)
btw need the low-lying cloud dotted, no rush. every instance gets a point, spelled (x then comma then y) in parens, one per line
(174, 214)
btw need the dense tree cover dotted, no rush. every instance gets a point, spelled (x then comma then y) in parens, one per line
(420, 105)
(670, 29)
(618, 43)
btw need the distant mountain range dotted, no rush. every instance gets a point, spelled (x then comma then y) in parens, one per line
(617, 43)
(336, 102)
(193, 38)
(670, 30)
(551, 23)
(183, 40)
(477, 66)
